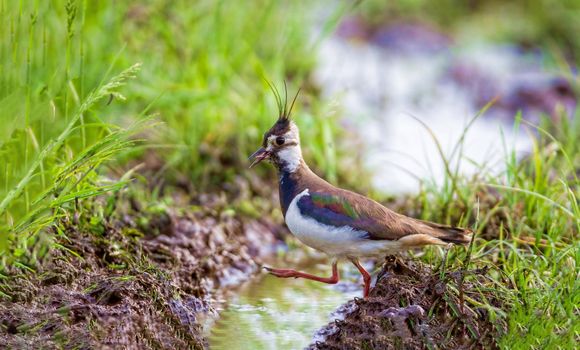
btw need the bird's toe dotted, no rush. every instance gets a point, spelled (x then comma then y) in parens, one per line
(280, 272)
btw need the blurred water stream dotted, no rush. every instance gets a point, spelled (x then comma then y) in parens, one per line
(384, 78)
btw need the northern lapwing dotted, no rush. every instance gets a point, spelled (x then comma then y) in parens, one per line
(340, 223)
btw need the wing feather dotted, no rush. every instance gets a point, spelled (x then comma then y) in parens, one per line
(344, 208)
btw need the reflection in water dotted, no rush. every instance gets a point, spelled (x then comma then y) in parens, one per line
(276, 313)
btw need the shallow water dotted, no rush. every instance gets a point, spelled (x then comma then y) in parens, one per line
(277, 313)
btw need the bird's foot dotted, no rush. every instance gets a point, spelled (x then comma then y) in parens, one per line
(282, 273)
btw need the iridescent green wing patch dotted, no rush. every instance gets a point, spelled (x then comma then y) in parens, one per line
(335, 204)
(329, 210)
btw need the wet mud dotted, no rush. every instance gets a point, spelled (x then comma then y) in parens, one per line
(132, 286)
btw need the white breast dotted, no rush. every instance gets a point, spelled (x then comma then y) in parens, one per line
(334, 241)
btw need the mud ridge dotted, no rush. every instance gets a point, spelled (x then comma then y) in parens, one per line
(415, 307)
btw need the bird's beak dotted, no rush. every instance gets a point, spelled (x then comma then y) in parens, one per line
(259, 156)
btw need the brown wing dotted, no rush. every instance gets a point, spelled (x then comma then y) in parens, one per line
(383, 223)
(345, 208)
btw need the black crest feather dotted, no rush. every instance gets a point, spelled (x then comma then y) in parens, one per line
(284, 112)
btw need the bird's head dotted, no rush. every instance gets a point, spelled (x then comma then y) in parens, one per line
(281, 144)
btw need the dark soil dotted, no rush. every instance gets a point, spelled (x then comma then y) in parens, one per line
(414, 307)
(132, 283)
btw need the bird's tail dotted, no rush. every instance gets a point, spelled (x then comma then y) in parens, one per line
(449, 234)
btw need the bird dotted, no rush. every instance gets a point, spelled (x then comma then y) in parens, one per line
(340, 223)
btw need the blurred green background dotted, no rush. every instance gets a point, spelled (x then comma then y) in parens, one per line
(202, 77)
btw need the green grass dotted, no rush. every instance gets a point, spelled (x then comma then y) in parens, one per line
(204, 71)
(53, 137)
(39, 195)
(527, 222)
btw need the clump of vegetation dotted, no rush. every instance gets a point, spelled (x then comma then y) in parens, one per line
(526, 222)
(54, 138)
(533, 216)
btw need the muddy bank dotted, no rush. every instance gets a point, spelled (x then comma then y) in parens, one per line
(415, 307)
(133, 282)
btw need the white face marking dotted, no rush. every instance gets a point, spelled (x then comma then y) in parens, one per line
(290, 155)
(334, 241)
(271, 140)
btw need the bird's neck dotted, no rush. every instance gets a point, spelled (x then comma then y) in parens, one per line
(295, 176)
(289, 159)
(291, 183)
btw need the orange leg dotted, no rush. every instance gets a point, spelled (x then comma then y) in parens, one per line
(283, 273)
(366, 276)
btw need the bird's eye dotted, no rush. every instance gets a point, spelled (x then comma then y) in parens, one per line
(280, 140)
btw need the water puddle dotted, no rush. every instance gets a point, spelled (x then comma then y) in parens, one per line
(275, 313)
